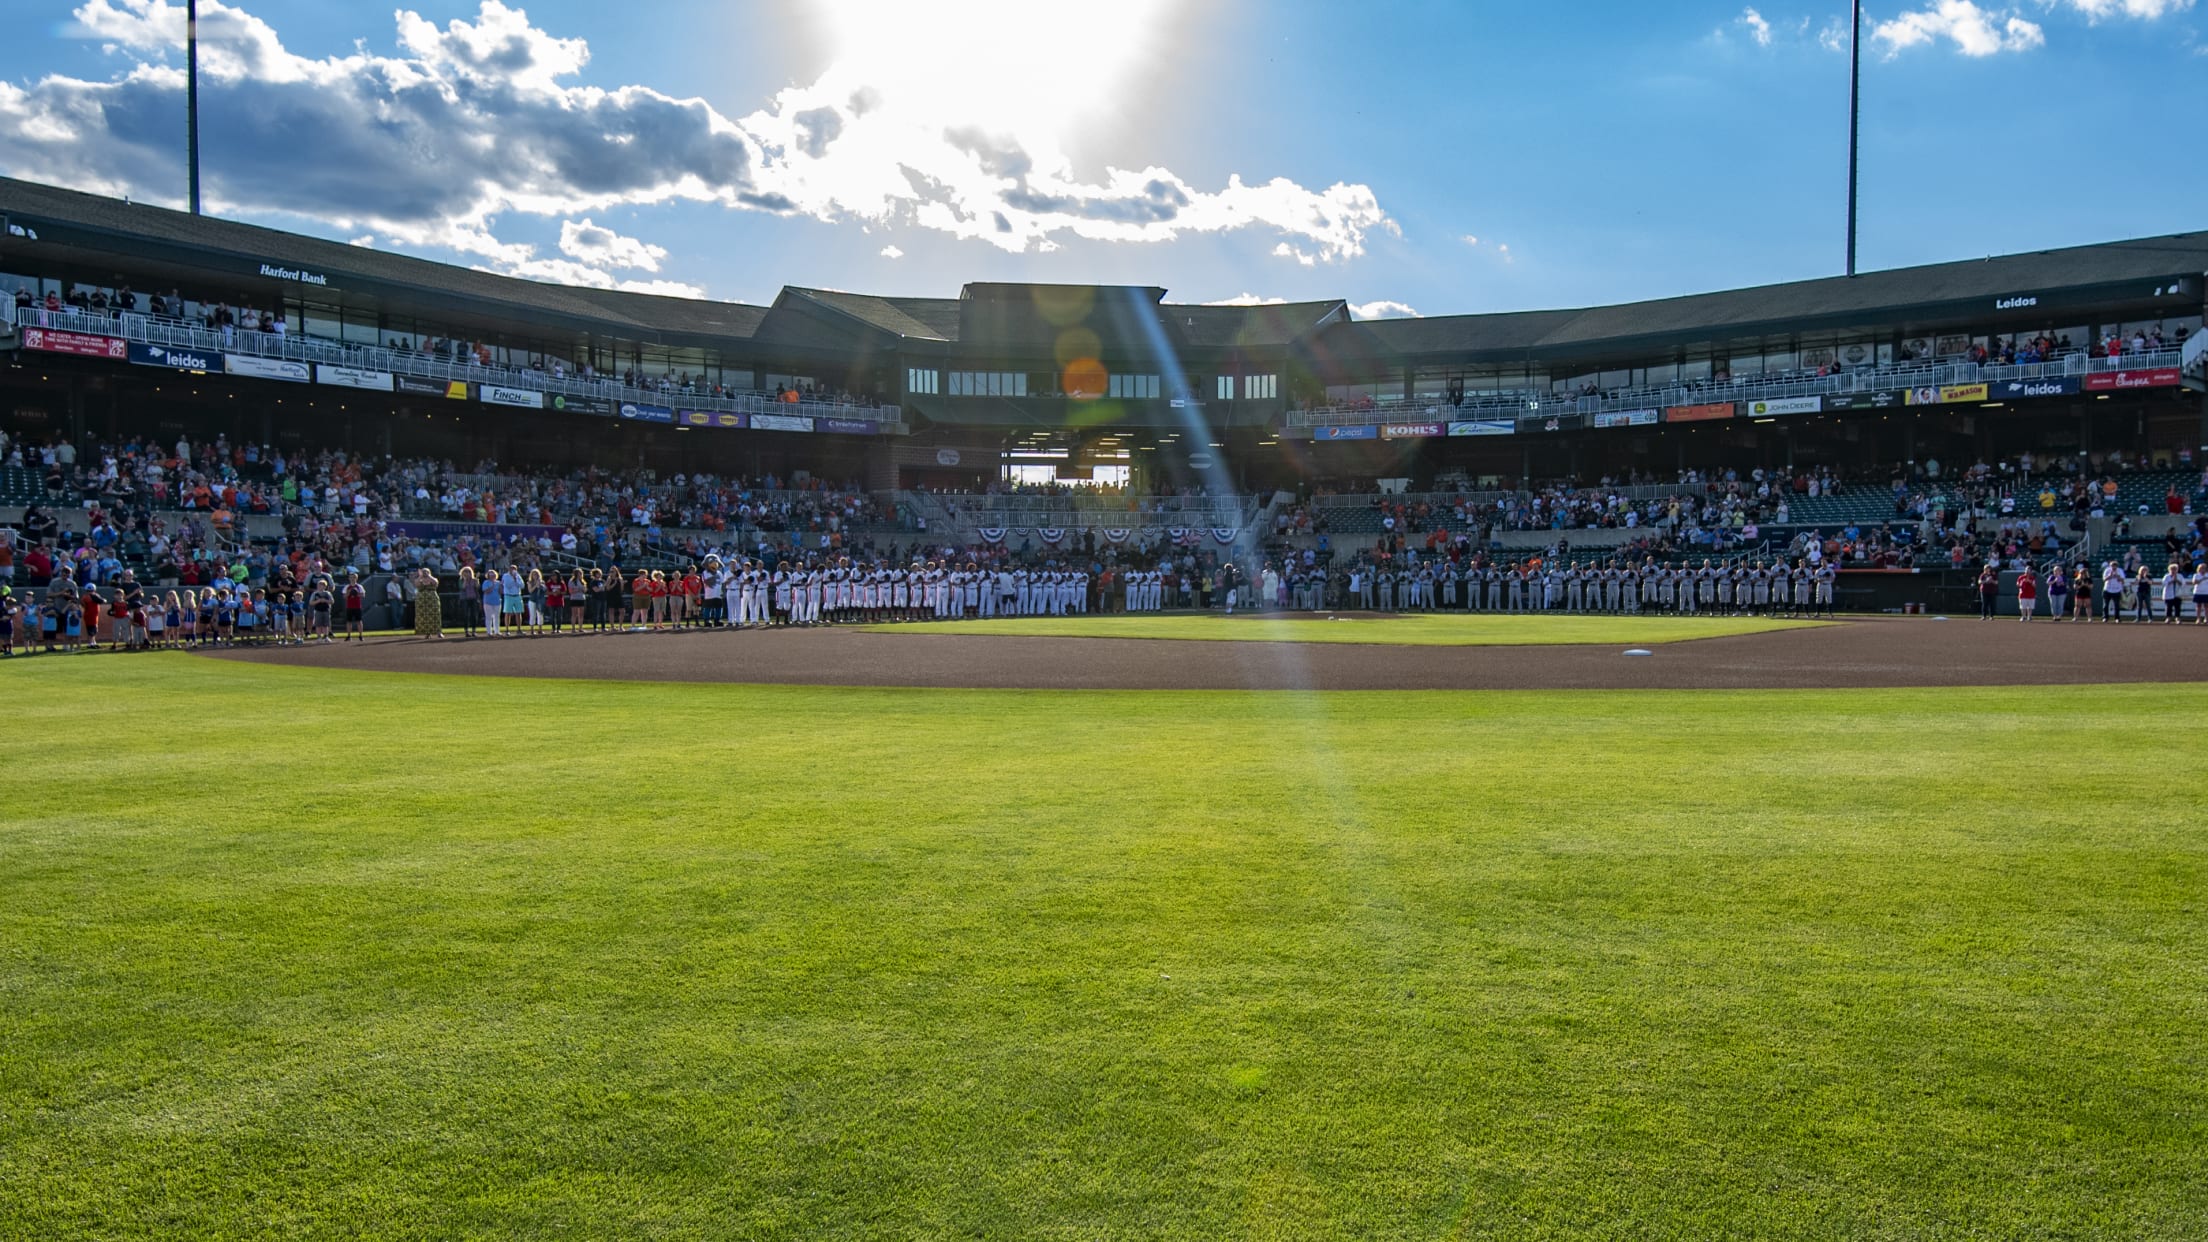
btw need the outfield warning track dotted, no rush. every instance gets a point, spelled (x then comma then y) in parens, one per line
(1865, 652)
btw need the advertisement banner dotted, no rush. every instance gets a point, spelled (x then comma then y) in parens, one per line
(780, 422)
(1552, 422)
(1698, 413)
(1411, 431)
(1626, 418)
(2115, 381)
(520, 398)
(602, 406)
(1885, 399)
(1331, 432)
(693, 418)
(175, 359)
(354, 377)
(726, 419)
(81, 344)
(1483, 427)
(267, 368)
(2018, 390)
(451, 390)
(1785, 405)
(1949, 395)
(849, 426)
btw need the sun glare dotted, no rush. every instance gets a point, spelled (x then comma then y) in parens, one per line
(1019, 68)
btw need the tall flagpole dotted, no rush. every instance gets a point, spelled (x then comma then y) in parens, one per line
(1855, 95)
(191, 96)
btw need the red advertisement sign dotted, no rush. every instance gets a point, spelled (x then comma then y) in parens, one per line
(85, 345)
(1697, 413)
(2112, 381)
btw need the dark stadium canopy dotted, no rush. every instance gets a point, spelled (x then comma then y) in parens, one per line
(203, 250)
(2142, 272)
(218, 258)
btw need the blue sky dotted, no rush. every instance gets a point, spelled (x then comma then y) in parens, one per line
(1428, 157)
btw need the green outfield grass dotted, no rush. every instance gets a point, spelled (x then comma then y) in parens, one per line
(1408, 630)
(289, 953)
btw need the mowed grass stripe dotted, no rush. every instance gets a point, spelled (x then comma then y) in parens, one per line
(301, 953)
(1407, 630)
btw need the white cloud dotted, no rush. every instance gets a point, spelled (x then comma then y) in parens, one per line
(1381, 309)
(1248, 299)
(2144, 10)
(1973, 31)
(481, 117)
(892, 252)
(602, 247)
(1757, 28)
(1470, 240)
(664, 288)
(1834, 36)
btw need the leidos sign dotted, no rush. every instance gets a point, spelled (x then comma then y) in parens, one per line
(2020, 302)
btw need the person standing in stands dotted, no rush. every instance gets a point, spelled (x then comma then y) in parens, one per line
(1989, 587)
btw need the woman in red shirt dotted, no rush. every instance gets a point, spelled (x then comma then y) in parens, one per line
(555, 599)
(2027, 594)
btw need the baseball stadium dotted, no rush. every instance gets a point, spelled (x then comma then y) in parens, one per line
(502, 757)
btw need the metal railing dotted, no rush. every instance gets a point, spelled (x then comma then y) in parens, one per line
(1743, 388)
(152, 330)
(1109, 506)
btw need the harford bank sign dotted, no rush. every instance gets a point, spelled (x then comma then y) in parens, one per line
(278, 272)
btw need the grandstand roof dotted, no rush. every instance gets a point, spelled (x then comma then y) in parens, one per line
(2107, 273)
(207, 243)
(201, 249)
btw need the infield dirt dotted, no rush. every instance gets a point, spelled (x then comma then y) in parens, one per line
(1861, 652)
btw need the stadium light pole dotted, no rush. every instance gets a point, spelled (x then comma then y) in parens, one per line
(1855, 111)
(191, 97)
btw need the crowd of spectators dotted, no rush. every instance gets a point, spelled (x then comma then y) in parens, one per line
(182, 509)
(228, 321)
